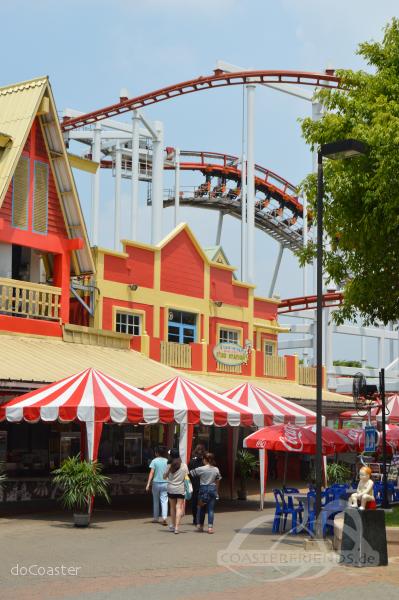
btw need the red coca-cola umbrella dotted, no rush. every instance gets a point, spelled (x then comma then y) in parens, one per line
(291, 438)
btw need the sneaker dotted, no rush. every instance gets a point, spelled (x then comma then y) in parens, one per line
(200, 528)
(210, 529)
(164, 522)
(171, 528)
(176, 531)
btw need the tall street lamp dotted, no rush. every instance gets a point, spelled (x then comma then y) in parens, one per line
(335, 150)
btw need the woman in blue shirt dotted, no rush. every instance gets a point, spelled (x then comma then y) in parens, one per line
(159, 486)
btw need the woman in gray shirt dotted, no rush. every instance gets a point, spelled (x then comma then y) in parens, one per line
(209, 476)
(175, 475)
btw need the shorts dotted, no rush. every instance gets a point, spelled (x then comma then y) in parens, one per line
(176, 496)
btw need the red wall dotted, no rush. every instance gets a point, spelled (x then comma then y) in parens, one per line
(223, 289)
(138, 268)
(182, 269)
(265, 310)
(108, 303)
(37, 151)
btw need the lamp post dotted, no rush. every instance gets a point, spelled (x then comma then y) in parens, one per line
(335, 150)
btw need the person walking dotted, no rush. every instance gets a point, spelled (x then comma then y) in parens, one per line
(209, 476)
(158, 466)
(195, 462)
(175, 475)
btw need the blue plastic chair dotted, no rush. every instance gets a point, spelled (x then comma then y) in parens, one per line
(329, 508)
(283, 511)
(339, 490)
(290, 501)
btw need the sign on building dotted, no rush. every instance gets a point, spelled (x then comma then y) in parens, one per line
(229, 354)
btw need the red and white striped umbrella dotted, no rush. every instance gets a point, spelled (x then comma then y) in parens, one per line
(199, 404)
(268, 408)
(89, 396)
(392, 410)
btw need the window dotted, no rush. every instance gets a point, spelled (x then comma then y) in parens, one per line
(128, 323)
(40, 198)
(231, 336)
(269, 348)
(20, 194)
(182, 327)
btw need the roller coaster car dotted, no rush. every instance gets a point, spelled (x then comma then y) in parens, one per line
(203, 190)
(234, 193)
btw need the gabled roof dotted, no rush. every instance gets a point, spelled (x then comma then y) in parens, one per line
(19, 105)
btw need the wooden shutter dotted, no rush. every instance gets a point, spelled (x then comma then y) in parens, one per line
(40, 198)
(20, 193)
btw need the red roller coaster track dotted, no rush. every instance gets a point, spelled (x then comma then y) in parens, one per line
(216, 80)
(309, 302)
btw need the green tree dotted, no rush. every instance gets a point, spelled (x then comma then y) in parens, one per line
(361, 198)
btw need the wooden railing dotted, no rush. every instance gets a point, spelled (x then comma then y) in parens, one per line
(307, 375)
(32, 300)
(275, 366)
(228, 368)
(176, 355)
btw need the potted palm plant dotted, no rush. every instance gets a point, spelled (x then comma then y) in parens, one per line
(246, 464)
(80, 482)
(337, 472)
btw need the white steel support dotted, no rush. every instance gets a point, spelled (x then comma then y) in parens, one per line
(157, 183)
(276, 270)
(177, 186)
(135, 176)
(381, 348)
(95, 190)
(117, 207)
(250, 184)
(243, 218)
(363, 358)
(305, 267)
(219, 230)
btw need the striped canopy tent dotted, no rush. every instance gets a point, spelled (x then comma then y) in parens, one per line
(201, 405)
(92, 398)
(268, 409)
(391, 412)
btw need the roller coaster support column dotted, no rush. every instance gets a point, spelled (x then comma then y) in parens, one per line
(219, 231)
(250, 185)
(177, 186)
(243, 218)
(305, 268)
(135, 175)
(95, 190)
(157, 184)
(276, 270)
(117, 208)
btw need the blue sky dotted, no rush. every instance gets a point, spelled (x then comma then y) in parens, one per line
(93, 48)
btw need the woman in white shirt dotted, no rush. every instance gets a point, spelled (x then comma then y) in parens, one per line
(175, 475)
(209, 476)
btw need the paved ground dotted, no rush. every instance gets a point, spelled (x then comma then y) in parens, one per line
(124, 556)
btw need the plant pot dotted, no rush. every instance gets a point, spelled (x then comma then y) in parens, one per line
(81, 519)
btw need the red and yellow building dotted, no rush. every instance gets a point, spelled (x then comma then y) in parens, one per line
(138, 314)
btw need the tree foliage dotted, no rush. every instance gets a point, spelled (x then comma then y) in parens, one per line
(361, 197)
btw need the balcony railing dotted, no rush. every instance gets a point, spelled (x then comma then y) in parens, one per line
(307, 375)
(33, 300)
(176, 355)
(275, 366)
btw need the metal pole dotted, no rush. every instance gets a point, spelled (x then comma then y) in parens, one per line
(95, 190)
(305, 269)
(219, 231)
(250, 185)
(135, 175)
(385, 501)
(319, 347)
(243, 218)
(157, 184)
(276, 270)
(117, 208)
(177, 186)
